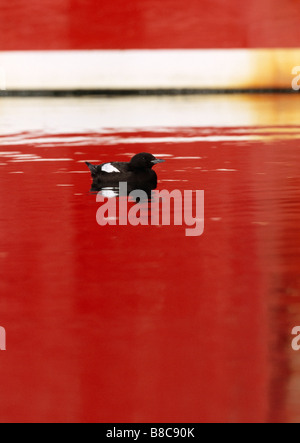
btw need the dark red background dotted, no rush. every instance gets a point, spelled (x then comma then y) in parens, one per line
(148, 24)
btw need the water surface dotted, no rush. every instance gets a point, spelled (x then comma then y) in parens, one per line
(144, 324)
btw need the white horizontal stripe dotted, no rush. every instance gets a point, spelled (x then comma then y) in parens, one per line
(88, 121)
(234, 68)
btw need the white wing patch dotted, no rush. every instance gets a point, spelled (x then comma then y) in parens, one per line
(108, 167)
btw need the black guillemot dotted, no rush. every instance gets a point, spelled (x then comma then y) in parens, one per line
(138, 172)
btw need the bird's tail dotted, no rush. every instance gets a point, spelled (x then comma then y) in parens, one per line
(91, 167)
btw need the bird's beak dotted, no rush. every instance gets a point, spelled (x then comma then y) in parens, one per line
(157, 161)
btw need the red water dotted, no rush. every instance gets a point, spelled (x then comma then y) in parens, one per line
(144, 324)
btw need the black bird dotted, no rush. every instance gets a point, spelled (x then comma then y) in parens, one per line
(138, 173)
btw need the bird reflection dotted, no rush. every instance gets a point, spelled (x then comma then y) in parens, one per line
(124, 190)
(144, 200)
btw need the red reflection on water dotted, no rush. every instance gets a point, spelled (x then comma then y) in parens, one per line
(142, 24)
(143, 324)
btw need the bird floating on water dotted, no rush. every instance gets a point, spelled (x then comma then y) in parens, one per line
(138, 173)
